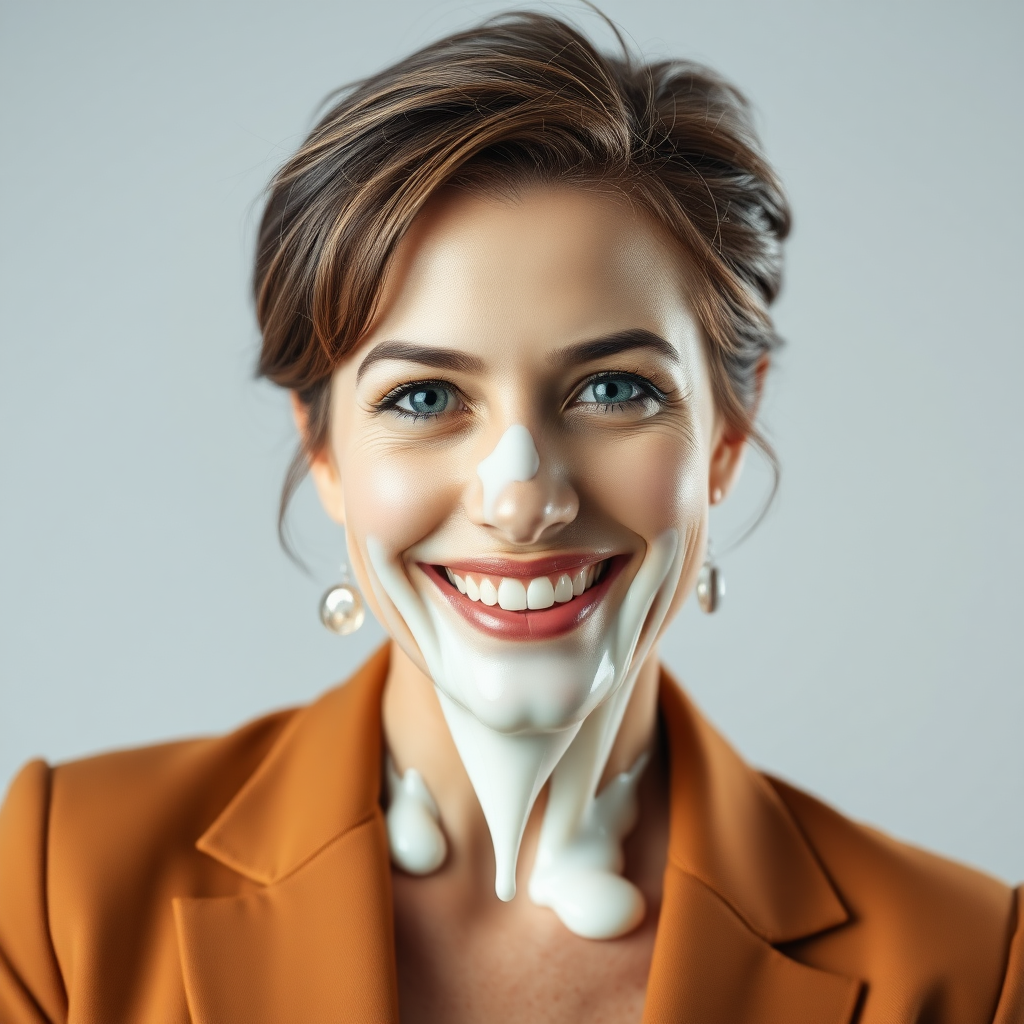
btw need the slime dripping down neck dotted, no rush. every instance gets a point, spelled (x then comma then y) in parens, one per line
(522, 712)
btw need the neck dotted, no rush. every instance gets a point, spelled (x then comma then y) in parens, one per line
(417, 736)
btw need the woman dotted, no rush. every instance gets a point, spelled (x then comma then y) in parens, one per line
(519, 292)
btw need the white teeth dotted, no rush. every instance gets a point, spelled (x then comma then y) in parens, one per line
(515, 595)
(563, 589)
(512, 595)
(540, 593)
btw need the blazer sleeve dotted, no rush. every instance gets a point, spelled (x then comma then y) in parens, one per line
(31, 987)
(1011, 1002)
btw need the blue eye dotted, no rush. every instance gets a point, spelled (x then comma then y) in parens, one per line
(621, 394)
(610, 391)
(424, 400)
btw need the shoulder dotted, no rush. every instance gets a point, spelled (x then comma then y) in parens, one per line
(86, 846)
(158, 789)
(141, 789)
(130, 798)
(909, 891)
(922, 929)
(94, 820)
(111, 813)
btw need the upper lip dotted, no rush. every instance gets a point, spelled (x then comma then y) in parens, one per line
(526, 569)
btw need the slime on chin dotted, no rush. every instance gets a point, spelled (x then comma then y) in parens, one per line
(579, 858)
(521, 712)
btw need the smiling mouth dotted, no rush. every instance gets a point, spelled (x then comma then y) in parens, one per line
(510, 600)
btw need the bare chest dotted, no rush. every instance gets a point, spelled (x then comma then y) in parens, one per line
(518, 963)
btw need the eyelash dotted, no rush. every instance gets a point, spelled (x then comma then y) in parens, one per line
(648, 389)
(389, 402)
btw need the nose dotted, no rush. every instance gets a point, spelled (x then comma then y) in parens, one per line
(519, 494)
(533, 510)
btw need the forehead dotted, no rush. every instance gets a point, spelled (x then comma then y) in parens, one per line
(545, 266)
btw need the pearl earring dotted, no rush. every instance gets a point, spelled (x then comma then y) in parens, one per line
(710, 585)
(341, 608)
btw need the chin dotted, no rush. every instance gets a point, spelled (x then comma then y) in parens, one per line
(524, 646)
(514, 703)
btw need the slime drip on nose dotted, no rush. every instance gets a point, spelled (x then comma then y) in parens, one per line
(513, 460)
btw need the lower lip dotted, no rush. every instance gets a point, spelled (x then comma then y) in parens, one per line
(528, 625)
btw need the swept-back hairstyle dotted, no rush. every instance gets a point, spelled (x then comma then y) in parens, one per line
(521, 98)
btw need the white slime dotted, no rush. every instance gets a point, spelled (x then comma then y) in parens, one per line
(521, 712)
(414, 835)
(513, 460)
(578, 875)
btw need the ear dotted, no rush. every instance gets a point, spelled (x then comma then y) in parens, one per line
(726, 462)
(322, 468)
(730, 447)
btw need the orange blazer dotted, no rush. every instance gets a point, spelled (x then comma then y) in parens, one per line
(246, 879)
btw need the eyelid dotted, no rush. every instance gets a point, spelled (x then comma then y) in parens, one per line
(396, 394)
(647, 386)
(649, 389)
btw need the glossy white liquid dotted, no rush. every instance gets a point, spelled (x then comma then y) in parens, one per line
(415, 838)
(578, 874)
(521, 712)
(516, 710)
(514, 459)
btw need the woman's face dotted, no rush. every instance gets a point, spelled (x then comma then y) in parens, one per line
(563, 314)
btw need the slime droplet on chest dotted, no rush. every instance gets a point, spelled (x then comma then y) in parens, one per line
(580, 878)
(414, 834)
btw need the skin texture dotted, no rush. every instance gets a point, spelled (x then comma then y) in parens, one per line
(509, 285)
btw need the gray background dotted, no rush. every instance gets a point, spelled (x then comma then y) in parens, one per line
(870, 648)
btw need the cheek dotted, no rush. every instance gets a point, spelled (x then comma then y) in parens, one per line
(649, 482)
(400, 498)
(653, 482)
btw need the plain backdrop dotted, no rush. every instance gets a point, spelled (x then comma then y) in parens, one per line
(870, 648)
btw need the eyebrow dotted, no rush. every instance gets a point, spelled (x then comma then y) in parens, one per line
(613, 344)
(439, 358)
(581, 352)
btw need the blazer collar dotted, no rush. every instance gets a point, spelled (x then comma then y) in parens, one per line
(314, 938)
(729, 829)
(740, 879)
(321, 778)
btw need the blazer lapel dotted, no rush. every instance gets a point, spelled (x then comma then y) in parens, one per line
(317, 946)
(312, 939)
(740, 880)
(710, 968)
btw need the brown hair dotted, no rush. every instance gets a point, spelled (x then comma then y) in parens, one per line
(523, 97)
